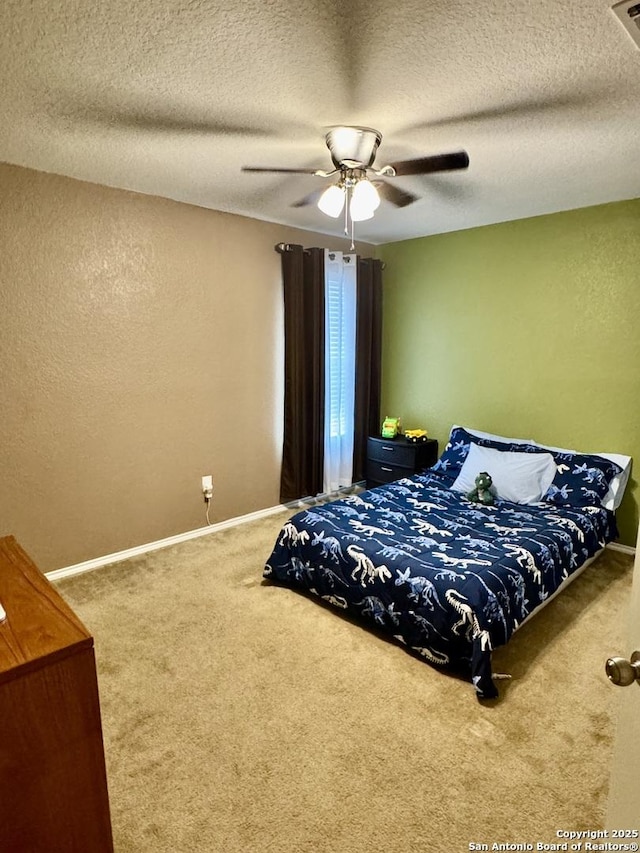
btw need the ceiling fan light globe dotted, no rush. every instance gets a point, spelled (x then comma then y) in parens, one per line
(367, 194)
(332, 200)
(364, 201)
(359, 213)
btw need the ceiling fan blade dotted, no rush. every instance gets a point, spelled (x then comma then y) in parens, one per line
(397, 196)
(533, 108)
(168, 124)
(435, 163)
(132, 119)
(311, 198)
(283, 170)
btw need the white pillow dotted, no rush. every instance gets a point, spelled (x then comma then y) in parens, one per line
(522, 478)
(493, 437)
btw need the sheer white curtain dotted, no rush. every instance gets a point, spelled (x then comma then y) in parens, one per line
(340, 368)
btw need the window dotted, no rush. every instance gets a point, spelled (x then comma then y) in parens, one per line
(340, 361)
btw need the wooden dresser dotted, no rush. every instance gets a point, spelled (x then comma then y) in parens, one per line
(53, 786)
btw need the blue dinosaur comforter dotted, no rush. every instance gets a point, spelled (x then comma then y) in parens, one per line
(450, 579)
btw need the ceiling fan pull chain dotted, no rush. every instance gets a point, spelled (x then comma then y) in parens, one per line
(346, 211)
(353, 230)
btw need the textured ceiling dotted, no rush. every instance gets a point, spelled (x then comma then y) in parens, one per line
(172, 97)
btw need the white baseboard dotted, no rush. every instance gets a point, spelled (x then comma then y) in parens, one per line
(108, 559)
(313, 500)
(618, 546)
(119, 556)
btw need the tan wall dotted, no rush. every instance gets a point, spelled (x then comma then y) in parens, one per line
(140, 348)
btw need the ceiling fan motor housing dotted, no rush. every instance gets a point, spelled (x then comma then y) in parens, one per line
(353, 147)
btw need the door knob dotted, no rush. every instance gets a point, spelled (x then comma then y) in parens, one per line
(622, 672)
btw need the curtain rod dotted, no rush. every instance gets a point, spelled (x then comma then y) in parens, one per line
(281, 248)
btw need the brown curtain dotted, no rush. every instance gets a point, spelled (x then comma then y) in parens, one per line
(368, 361)
(303, 445)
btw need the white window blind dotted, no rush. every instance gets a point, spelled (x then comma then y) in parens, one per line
(340, 368)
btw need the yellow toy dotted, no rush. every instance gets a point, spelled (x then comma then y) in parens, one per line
(415, 435)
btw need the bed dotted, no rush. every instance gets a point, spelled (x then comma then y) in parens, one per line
(450, 578)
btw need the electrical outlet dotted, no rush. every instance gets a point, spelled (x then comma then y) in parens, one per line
(207, 487)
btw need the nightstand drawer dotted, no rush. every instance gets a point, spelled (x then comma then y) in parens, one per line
(378, 472)
(390, 453)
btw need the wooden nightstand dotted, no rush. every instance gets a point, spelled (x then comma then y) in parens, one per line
(391, 459)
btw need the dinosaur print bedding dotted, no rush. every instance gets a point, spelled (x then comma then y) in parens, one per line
(450, 579)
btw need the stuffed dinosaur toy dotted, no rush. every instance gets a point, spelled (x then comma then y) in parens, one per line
(481, 494)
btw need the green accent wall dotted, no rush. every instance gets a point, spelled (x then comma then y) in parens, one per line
(528, 328)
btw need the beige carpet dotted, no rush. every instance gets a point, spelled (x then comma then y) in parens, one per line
(239, 716)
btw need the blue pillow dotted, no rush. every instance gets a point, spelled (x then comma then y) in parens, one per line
(581, 479)
(455, 453)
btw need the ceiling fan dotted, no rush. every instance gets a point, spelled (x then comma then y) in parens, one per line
(353, 151)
